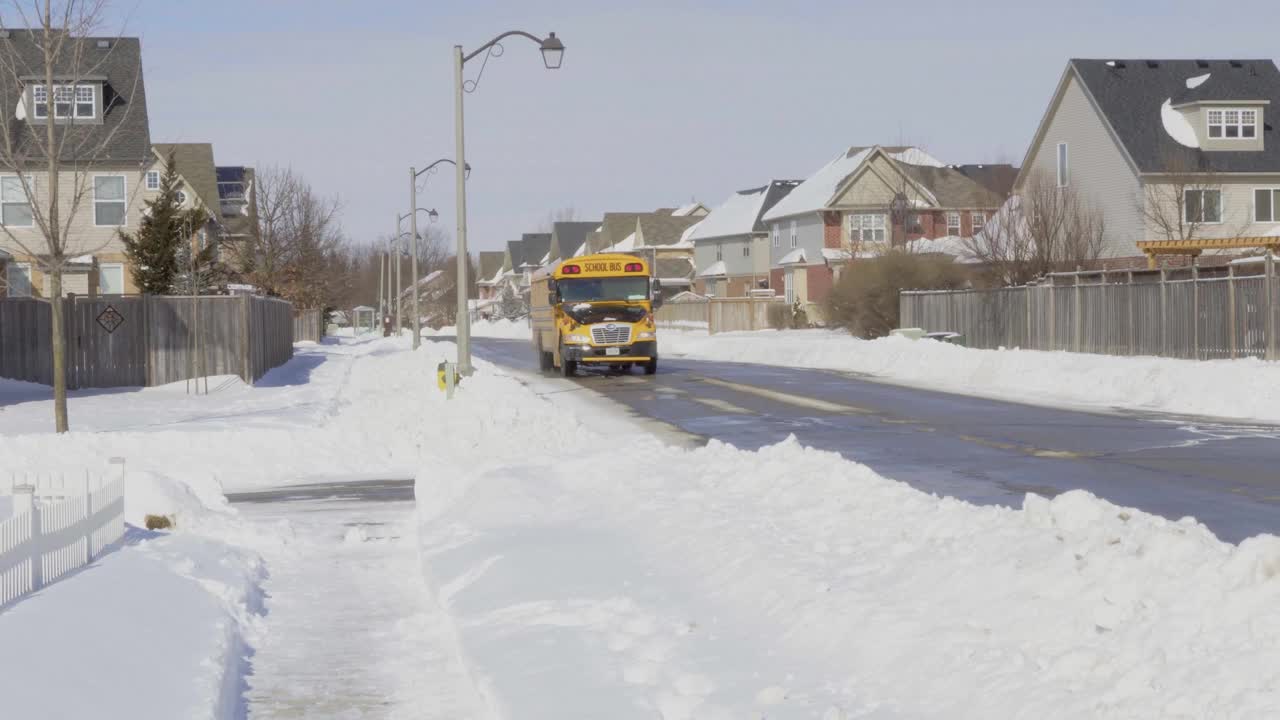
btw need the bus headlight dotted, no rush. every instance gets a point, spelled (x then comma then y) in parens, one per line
(645, 335)
(577, 339)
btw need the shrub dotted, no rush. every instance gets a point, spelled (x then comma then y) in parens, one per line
(865, 298)
(158, 522)
(780, 316)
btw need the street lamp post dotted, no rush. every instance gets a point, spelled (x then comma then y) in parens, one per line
(552, 55)
(413, 233)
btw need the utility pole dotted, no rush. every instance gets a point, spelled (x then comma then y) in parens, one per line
(463, 321)
(382, 293)
(399, 287)
(413, 253)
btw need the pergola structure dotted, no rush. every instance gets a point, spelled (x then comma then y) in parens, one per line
(1194, 247)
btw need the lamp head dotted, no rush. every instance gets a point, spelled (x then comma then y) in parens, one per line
(552, 52)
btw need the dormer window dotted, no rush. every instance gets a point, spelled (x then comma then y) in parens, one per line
(1233, 124)
(78, 102)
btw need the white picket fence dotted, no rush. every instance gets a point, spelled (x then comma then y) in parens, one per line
(58, 524)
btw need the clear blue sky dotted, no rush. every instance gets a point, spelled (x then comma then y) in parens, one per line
(657, 103)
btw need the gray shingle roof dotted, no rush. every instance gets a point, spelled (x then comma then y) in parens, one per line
(951, 188)
(196, 166)
(535, 246)
(673, 268)
(615, 227)
(515, 249)
(662, 229)
(123, 136)
(567, 237)
(996, 178)
(490, 263)
(1130, 94)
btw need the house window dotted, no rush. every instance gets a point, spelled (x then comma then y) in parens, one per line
(976, 221)
(181, 197)
(19, 279)
(1232, 124)
(913, 223)
(111, 279)
(1064, 171)
(775, 234)
(953, 224)
(794, 238)
(15, 208)
(866, 228)
(1266, 205)
(746, 251)
(719, 251)
(78, 101)
(789, 286)
(153, 179)
(108, 200)
(1202, 206)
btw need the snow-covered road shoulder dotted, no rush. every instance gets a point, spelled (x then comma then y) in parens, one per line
(592, 573)
(1246, 389)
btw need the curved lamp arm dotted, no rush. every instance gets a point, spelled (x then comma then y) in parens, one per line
(466, 169)
(507, 34)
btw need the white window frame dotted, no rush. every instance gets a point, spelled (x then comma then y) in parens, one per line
(1224, 123)
(953, 215)
(124, 182)
(9, 268)
(73, 109)
(788, 285)
(719, 251)
(795, 237)
(152, 175)
(1275, 196)
(180, 196)
(102, 268)
(776, 236)
(862, 223)
(1064, 165)
(1186, 206)
(3, 201)
(746, 250)
(977, 219)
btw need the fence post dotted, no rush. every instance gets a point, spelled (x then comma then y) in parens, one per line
(1164, 313)
(1133, 350)
(1195, 309)
(1053, 314)
(1270, 324)
(24, 501)
(710, 316)
(1231, 307)
(1026, 332)
(246, 372)
(1078, 324)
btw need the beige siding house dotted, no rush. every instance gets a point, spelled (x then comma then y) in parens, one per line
(1172, 151)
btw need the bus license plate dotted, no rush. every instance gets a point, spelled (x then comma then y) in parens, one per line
(613, 351)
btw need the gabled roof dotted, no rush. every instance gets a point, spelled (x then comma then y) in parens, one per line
(741, 213)
(819, 190)
(664, 230)
(535, 246)
(715, 269)
(795, 257)
(950, 188)
(996, 178)
(693, 208)
(613, 228)
(123, 136)
(490, 265)
(668, 269)
(568, 236)
(1130, 94)
(196, 166)
(515, 253)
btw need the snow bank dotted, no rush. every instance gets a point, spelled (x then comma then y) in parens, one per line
(513, 329)
(1239, 389)
(593, 572)
(157, 628)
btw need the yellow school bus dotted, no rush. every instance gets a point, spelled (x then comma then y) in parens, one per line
(595, 310)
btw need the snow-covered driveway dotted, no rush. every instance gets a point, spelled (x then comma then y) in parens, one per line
(350, 631)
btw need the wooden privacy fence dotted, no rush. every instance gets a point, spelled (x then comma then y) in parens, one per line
(56, 527)
(119, 341)
(717, 315)
(308, 325)
(1113, 314)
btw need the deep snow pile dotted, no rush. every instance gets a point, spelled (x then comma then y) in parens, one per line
(513, 329)
(159, 628)
(593, 572)
(1246, 389)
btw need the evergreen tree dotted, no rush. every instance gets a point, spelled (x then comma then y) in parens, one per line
(153, 249)
(202, 273)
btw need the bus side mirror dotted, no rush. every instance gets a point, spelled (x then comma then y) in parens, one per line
(655, 292)
(553, 292)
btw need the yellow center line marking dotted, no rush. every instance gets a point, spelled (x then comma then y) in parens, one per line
(798, 400)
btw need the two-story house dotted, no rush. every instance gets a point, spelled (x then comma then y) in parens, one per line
(489, 274)
(865, 200)
(100, 108)
(731, 244)
(1173, 153)
(569, 238)
(663, 239)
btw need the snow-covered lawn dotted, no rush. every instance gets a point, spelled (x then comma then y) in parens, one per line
(1240, 389)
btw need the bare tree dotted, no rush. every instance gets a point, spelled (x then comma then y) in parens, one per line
(564, 214)
(45, 64)
(1186, 202)
(1043, 228)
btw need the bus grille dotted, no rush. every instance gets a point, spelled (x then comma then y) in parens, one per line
(602, 335)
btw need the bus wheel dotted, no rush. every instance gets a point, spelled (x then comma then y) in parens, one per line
(567, 367)
(651, 367)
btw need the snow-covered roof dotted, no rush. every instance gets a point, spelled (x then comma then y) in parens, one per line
(686, 209)
(715, 269)
(836, 254)
(582, 250)
(795, 257)
(952, 245)
(819, 189)
(735, 216)
(676, 281)
(1178, 126)
(626, 244)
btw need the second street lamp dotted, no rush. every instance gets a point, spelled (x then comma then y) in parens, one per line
(413, 234)
(552, 56)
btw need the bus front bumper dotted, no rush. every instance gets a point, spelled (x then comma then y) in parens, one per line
(633, 353)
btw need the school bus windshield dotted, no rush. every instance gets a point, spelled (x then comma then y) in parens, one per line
(616, 289)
